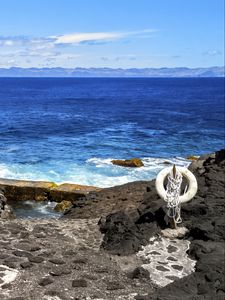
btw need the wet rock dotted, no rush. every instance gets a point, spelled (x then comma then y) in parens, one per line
(193, 157)
(17, 190)
(63, 206)
(132, 163)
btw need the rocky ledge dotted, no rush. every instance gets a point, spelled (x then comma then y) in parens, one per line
(136, 214)
(21, 190)
(108, 244)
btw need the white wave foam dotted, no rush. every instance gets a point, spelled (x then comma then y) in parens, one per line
(99, 162)
(148, 162)
(96, 171)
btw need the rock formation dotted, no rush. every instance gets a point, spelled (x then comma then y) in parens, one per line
(132, 163)
(203, 216)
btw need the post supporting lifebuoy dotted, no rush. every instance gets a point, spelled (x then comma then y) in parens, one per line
(172, 192)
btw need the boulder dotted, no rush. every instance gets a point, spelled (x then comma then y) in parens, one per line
(132, 163)
(63, 206)
(193, 157)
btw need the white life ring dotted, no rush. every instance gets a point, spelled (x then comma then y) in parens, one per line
(192, 183)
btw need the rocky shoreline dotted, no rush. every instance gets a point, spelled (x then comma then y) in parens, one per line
(94, 250)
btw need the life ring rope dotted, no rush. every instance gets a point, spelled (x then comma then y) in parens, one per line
(171, 195)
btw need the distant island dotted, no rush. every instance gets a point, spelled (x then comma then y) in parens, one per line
(109, 72)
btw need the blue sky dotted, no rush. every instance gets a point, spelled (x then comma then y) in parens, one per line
(111, 33)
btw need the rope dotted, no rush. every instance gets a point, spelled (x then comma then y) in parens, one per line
(172, 196)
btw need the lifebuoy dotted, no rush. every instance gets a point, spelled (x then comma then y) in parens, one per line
(192, 183)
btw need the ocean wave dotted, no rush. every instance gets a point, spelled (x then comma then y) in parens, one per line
(96, 171)
(149, 162)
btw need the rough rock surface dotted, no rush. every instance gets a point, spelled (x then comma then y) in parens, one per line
(204, 216)
(127, 197)
(70, 192)
(20, 190)
(61, 260)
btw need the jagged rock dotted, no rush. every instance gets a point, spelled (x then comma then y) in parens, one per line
(132, 163)
(124, 234)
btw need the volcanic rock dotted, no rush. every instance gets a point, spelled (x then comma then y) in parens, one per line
(125, 231)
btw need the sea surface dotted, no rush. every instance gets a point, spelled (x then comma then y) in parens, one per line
(69, 129)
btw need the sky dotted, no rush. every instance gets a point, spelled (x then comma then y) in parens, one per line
(111, 33)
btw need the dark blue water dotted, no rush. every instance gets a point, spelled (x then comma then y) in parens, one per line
(68, 129)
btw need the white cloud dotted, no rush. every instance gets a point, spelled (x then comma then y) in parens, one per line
(77, 38)
(61, 49)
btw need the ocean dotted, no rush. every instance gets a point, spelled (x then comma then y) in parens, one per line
(69, 129)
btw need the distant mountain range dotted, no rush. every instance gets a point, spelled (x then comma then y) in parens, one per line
(109, 72)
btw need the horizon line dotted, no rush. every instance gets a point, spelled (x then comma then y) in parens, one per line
(116, 68)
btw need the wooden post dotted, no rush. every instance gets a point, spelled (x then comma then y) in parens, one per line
(173, 222)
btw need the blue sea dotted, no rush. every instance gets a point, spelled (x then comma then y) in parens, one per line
(69, 129)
